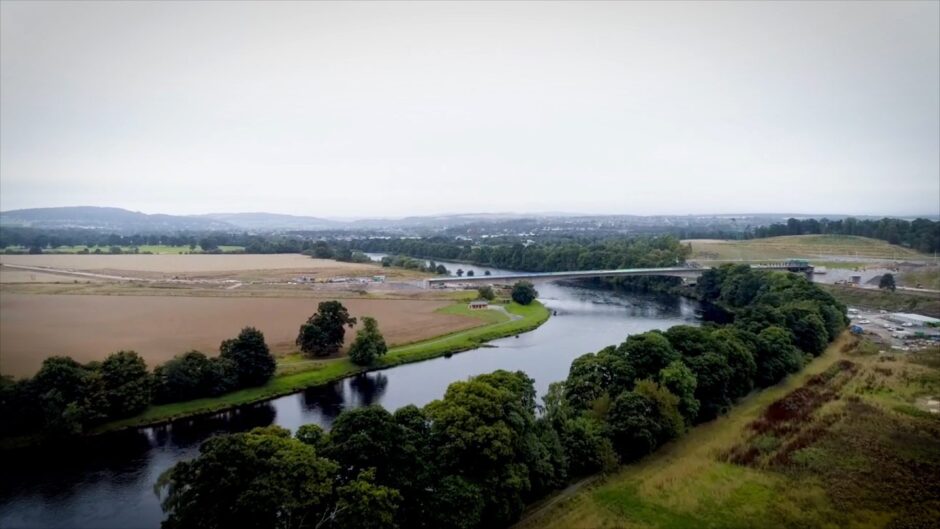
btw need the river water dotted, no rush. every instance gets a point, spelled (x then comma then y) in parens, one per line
(108, 481)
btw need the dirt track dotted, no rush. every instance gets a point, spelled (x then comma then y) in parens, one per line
(89, 327)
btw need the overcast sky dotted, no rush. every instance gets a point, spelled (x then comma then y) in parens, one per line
(373, 109)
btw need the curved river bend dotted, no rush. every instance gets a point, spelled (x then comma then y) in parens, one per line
(108, 481)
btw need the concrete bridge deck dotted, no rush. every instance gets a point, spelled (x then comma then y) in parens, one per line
(679, 271)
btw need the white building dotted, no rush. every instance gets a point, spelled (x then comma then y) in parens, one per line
(915, 320)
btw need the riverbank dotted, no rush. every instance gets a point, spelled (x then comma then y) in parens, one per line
(296, 373)
(321, 372)
(836, 467)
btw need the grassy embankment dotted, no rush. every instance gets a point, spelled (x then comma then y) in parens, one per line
(802, 246)
(143, 248)
(844, 443)
(898, 301)
(927, 278)
(296, 373)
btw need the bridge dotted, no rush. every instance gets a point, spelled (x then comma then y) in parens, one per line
(679, 271)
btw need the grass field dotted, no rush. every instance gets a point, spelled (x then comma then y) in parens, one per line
(842, 444)
(927, 278)
(898, 301)
(324, 371)
(800, 246)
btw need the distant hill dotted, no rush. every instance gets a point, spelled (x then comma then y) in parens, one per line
(127, 222)
(112, 219)
(273, 221)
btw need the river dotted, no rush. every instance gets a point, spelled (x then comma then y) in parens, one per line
(108, 481)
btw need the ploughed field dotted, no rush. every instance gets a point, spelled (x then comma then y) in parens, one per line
(89, 327)
(164, 305)
(207, 266)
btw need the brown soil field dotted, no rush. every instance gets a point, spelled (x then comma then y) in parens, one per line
(178, 262)
(12, 275)
(251, 266)
(89, 327)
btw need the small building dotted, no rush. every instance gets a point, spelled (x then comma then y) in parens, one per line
(479, 304)
(913, 320)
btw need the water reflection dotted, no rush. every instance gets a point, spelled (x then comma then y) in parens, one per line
(328, 400)
(368, 388)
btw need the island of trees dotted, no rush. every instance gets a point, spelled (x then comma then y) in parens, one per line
(478, 455)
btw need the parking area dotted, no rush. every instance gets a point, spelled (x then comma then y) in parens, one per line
(893, 331)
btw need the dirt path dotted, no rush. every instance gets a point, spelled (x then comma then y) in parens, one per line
(547, 504)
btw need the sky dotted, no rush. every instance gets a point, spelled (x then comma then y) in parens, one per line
(393, 109)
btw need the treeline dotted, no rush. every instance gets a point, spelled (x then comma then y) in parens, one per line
(38, 240)
(922, 235)
(479, 455)
(67, 398)
(541, 257)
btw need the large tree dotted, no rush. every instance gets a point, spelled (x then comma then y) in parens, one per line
(887, 282)
(523, 292)
(647, 353)
(127, 384)
(323, 333)
(251, 357)
(369, 343)
(260, 479)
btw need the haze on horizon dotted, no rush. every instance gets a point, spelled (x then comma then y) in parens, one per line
(393, 109)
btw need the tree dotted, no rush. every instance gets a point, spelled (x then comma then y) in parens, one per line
(487, 273)
(363, 504)
(259, 479)
(470, 273)
(740, 360)
(454, 502)
(647, 353)
(776, 356)
(667, 405)
(369, 343)
(587, 448)
(487, 293)
(887, 282)
(460, 272)
(484, 430)
(594, 376)
(807, 327)
(523, 292)
(126, 383)
(634, 425)
(323, 332)
(712, 376)
(193, 375)
(688, 340)
(440, 270)
(253, 362)
(367, 438)
(681, 382)
(66, 396)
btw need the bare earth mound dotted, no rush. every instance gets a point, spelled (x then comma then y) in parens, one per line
(33, 327)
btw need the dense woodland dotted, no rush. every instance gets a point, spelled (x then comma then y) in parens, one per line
(574, 254)
(478, 455)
